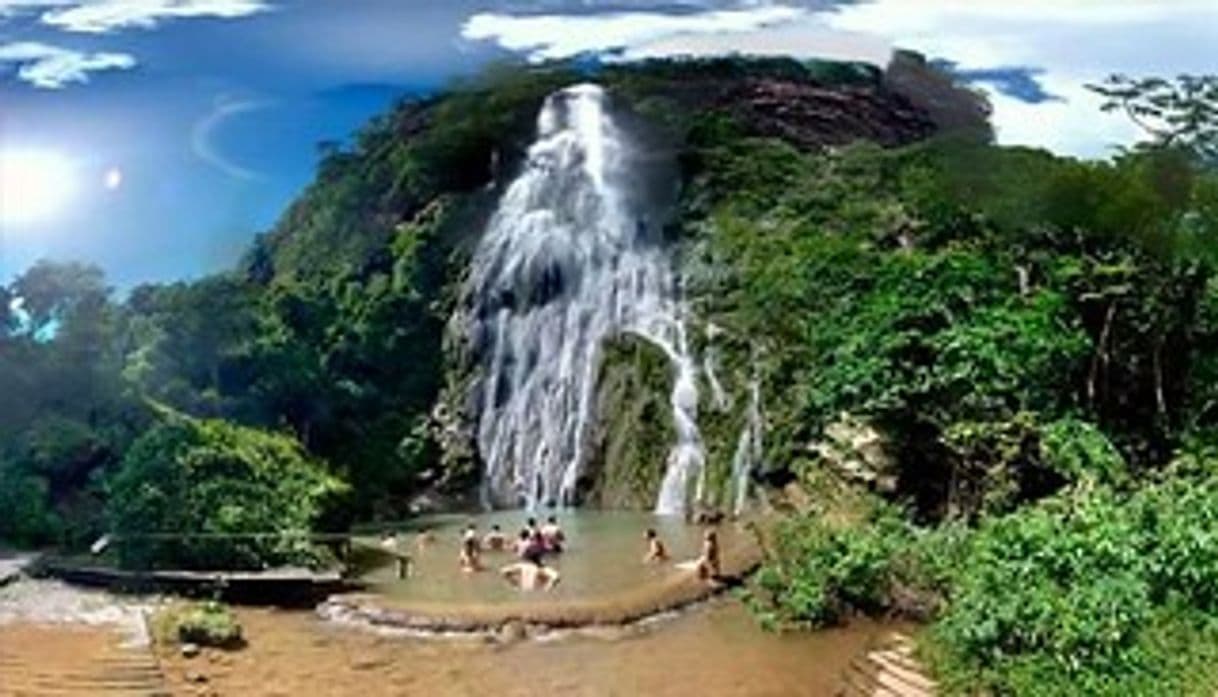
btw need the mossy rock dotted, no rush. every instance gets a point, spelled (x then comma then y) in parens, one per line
(634, 430)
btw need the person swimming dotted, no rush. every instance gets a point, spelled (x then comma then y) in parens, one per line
(471, 550)
(708, 564)
(495, 540)
(530, 576)
(656, 551)
(552, 536)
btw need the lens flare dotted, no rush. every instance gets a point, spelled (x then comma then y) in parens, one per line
(35, 185)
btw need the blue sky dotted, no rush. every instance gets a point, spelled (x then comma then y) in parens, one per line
(172, 131)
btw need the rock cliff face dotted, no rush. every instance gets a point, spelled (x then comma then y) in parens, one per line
(812, 116)
(634, 430)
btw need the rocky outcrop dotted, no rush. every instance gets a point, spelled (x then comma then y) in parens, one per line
(633, 427)
(858, 452)
(811, 116)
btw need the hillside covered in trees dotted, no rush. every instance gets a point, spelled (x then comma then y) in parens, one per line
(992, 372)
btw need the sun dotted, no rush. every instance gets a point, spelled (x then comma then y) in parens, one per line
(35, 185)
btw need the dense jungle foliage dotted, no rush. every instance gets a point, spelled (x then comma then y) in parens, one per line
(1028, 342)
(1031, 340)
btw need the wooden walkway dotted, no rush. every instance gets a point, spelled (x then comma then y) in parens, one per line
(888, 670)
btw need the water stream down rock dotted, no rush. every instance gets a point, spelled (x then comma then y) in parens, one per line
(571, 258)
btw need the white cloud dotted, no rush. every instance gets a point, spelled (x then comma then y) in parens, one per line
(804, 37)
(203, 133)
(100, 16)
(54, 67)
(1072, 43)
(556, 36)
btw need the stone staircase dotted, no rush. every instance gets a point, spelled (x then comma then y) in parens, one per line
(887, 670)
(27, 670)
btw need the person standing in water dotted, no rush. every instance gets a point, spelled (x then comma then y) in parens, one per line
(470, 550)
(552, 536)
(495, 540)
(656, 551)
(528, 548)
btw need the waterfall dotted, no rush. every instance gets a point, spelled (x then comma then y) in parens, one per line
(710, 367)
(568, 261)
(748, 447)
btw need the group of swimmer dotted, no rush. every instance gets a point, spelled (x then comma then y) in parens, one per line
(535, 542)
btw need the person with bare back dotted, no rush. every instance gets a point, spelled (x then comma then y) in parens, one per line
(656, 551)
(708, 564)
(530, 576)
(471, 550)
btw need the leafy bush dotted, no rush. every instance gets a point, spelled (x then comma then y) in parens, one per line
(818, 572)
(1094, 591)
(1083, 594)
(209, 623)
(28, 519)
(187, 485)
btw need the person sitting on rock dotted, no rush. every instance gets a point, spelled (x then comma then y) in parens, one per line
(552, 536)
(471, 550)
(495, 540)
(530, 576)
(708, 564)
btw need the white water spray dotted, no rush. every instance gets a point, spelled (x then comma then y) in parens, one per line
(749, 447)
(567, 262)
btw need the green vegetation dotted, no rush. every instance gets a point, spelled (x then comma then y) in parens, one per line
(1032, 337)
(209, 623)
(186, 485)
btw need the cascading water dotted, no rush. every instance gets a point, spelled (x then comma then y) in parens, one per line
(749, 447)
(568, 261)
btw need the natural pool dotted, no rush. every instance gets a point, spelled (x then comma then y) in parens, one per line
(604, 555)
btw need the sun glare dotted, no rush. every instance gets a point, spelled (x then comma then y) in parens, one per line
(35, 185)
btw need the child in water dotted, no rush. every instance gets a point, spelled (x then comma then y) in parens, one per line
(470, 550)
(495, 540)
(656, 551)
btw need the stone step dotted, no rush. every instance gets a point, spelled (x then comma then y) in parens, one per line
(902, 670)
(898, 659)
(889, 669)
(863, 677)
